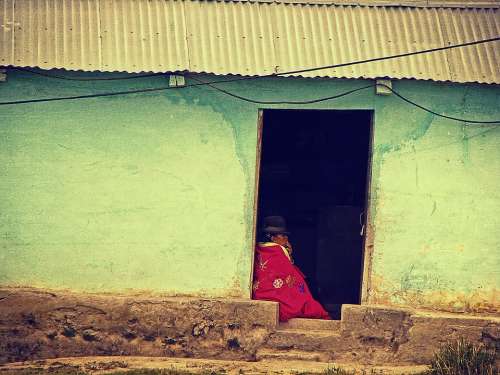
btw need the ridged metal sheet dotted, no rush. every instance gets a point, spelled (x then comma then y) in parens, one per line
(57, 34)
(480, 61)
(248, 38)
(234, 38)
(7, 25)
(143, 35)
(385, 3)
(326, 36)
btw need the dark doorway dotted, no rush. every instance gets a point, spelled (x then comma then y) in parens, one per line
(313, 171)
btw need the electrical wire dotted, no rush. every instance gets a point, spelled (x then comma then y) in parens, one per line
(345, 94)
(495, 39)
(271, 102)
(356, 62)
(88, 79)
(212, 85)
(254, 101)
(104, 94)
(431, 111)
(89, 96)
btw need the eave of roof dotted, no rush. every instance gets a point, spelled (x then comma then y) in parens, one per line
(384, 3)
(248, 38)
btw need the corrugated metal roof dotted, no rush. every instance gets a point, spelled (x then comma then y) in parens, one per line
(385, 3)
(248, 38)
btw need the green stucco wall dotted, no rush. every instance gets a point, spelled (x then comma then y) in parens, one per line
(155, 192)
(435, 188)
(147, 192)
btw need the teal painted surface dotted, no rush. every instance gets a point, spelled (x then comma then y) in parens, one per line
(141, 192)
(155, 192)
(436, 240)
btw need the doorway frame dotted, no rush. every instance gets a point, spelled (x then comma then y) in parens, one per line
(368, 237)
(260, 126)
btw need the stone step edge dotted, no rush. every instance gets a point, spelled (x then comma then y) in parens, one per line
(290, 354)
(314, 324)
(308, 332)
(262, 367)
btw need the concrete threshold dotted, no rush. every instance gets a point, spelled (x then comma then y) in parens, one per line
(112, 364)
(311, 324)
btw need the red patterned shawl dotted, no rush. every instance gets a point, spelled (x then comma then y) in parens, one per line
(277, 279)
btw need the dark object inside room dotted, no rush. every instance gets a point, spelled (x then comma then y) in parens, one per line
(313, 171)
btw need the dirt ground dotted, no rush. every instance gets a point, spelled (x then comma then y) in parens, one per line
(134, 365)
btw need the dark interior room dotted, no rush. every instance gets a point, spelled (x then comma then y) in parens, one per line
(313, 171)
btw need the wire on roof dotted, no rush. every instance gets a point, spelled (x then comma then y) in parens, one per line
(212, 84)
(49, 75)
(495, 39)
(357, 62)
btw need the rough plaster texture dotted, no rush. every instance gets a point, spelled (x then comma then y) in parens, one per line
(377, 335)
(143, 193)
(36, 324)
(434, 197)
(155, 192)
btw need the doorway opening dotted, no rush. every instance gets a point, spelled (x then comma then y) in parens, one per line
(314, 168)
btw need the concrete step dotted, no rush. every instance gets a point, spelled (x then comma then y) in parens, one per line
(306, 340)
(290, 355)
(311, 324)
(197, 365)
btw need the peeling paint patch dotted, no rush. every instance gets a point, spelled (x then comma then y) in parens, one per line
(411, 294)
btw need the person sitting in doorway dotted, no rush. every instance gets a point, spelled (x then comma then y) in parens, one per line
(276, 278)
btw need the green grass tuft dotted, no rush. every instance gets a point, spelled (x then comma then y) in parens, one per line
(463, 358)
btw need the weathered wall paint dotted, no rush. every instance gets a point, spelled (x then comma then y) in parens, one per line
(143, 192)
(154, 192)
(436, 241)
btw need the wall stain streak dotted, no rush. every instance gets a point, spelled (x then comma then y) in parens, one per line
(382, 151)
(236, 116)
(434, 208)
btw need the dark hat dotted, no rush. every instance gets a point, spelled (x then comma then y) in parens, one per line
(274, 225)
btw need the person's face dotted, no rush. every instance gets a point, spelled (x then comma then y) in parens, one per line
(280, 239)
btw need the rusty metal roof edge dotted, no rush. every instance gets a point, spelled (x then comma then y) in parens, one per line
(375, 3)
